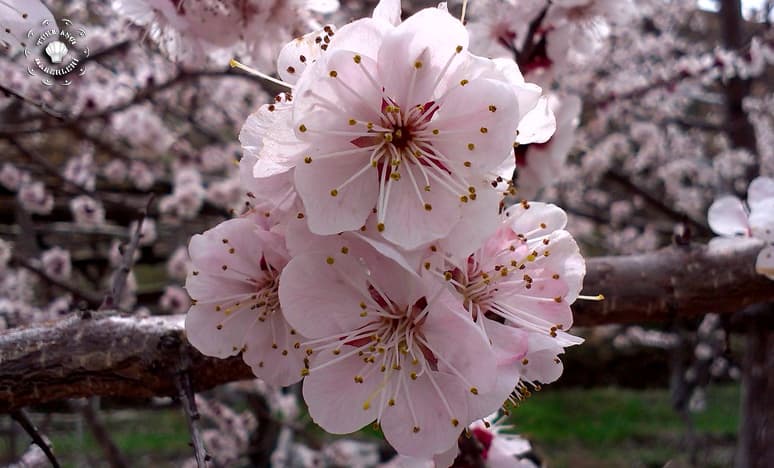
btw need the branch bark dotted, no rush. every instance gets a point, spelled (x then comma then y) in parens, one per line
(125, 356)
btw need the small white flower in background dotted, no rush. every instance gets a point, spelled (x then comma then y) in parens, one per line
(35, 198)
(730, 218)
(11, 177)
(87, 211)
(56, 263)
(174, 300)
(147, 231)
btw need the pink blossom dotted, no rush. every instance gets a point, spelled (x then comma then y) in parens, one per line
(87, 211)
(35, 198)
(56, 263)
(522, 280)
(398, 119)
(385, 345)
(233, 283)
(174, 300)
(729, 217)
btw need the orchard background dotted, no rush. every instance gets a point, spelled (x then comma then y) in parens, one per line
(661, 108)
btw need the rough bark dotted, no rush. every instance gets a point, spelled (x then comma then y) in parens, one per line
(123, 356)
(672, 282)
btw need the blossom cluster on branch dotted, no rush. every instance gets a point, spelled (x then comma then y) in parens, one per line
(377, 259)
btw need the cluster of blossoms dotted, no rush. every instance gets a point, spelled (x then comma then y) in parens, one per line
(377, 260)
(730, 218)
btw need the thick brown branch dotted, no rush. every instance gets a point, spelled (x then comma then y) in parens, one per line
(673, 282)
(140, 358)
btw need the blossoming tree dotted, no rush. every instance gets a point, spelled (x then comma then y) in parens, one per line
(396, 234)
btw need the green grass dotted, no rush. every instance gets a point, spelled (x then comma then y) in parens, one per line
(578, 428)
(616, 427)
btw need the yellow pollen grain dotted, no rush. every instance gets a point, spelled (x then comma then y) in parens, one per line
(370, 125)
(388, 137)
(474, 390)
(455, 422)
(458, 49)
(357, 58)
(447, 276)
(304, 372)
(329, 260)
(391, 402)
(334, 192)
(471, 146)
(336, 352)
(558, 299)
(483, 130)
(395, 176)
(352, 121)
(366, 406)
(427, 265)
(492, 108)
(333, 74)
(413, 376)
(380, 227)
(302, 128)
(467, 164)
(428, 206)
(436, 131)
(426, 188)
(345, 250)
(464, 82)
(308, 159)
(525, 361)
(418, 64)
(464, 199)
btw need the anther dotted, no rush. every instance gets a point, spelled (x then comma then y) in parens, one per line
(308, 159)
(334, 192)
(329, 260)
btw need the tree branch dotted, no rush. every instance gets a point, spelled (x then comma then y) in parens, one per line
(125, 356)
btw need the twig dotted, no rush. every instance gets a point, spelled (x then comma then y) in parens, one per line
(113, 454)
(186, 394)
(91, 298)
(119, 280)
(21, 417)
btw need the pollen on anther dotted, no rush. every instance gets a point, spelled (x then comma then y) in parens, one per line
(471, 146)
(428, 206)
(483, 130)
(492, 108)
(308, 159)
(329, 260)
(455, 422)
(415, 429)
(300, 216)
(436, 131)
(333, 74)
(357, 58)
(334, 192)
(224, 267)
(345, 250)
(291, 70)
(302, 128)
(463, 82)
(352, 121)
(464, 199)
(380, 227)
(474, 390)
(467, 164)
(458, 49)
(418, 64)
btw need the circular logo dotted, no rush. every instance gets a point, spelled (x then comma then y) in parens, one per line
(54, 53)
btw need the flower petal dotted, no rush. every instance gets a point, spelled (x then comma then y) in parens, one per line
(420, 407)
(764, 264)
(321, 292)
(430, 36)
(760, 189)
(727, 216)
(762, 220)
(270, 352)
(348, 210)
(336, 402)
